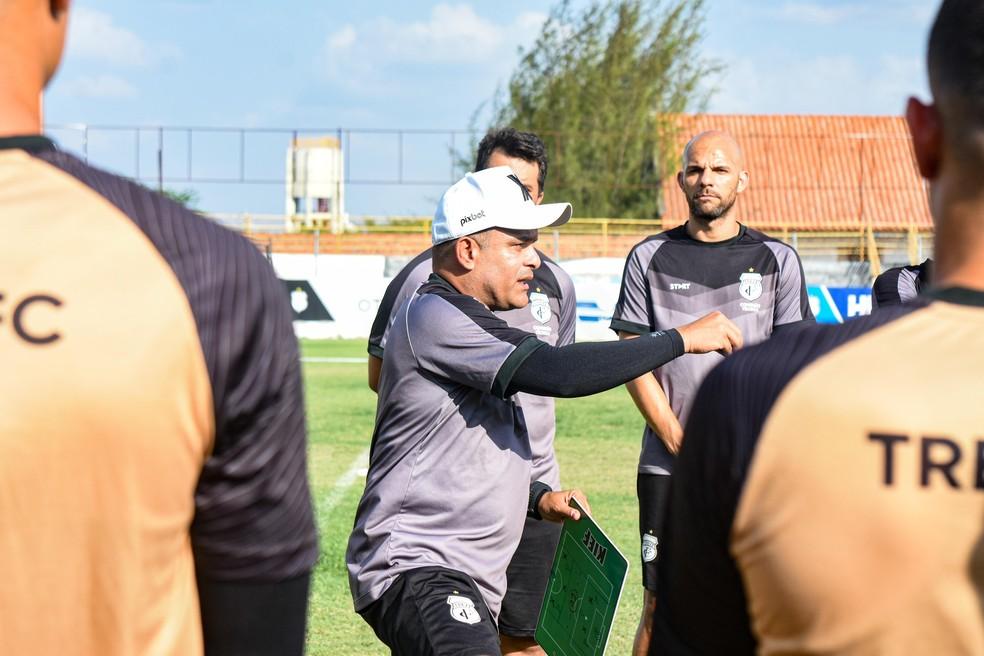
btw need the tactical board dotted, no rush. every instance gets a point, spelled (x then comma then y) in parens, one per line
(586, 581)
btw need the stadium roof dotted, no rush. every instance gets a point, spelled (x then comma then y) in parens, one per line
(818, 172)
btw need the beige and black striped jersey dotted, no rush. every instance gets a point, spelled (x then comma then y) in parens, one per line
(151, 414)
(822, 504)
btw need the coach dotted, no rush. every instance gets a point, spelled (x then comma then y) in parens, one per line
(551, 315)
(449, 474)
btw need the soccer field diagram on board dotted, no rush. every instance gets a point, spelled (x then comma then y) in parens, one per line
(586, 581)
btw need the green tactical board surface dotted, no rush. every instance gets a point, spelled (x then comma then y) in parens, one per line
(586, 581)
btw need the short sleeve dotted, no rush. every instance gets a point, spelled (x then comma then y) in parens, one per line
(631, 312)
(253, 519)
(400, 288)
(792, 300)
(568, 308)
(458, 338)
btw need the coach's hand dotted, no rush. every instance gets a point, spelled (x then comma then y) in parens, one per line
(713, 332)
(556, 506)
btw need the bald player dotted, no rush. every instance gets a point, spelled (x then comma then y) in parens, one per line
(551, 315)
(818, 506)
(153, 489)
(711, 263)
(449, 483)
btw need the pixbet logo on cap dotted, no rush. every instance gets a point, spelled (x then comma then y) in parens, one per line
(492, 198)
(473, 217)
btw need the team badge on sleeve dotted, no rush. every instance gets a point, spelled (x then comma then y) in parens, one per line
(299, 300)
(540, 307)
(649, 544)
(463, 609)
(750, 285)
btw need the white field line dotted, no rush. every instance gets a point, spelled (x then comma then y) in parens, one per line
(336, 360)
(356, 470)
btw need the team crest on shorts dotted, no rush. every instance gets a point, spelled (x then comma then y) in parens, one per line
(649, 544)
(540, 307)
(463, 609)
(750, 285)
(299, 300)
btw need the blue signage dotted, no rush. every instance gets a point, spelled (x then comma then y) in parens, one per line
(838, 304)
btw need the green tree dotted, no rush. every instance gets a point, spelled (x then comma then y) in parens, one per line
(187, 197)
(602, 88)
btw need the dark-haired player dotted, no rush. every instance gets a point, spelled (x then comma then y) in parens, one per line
(818, 505)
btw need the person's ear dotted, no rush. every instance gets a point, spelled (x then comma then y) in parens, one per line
(466, 252)
(926, 128)
(742, 181)
(680, 181)
(58, 8)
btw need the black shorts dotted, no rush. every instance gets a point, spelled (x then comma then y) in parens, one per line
(653, 491)
(432, 611)
(527, 577)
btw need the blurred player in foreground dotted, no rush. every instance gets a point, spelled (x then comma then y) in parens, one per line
(818, 506)
(449, 480)
(712, 262)
(900, 285)
(153, 490)
(551, 315)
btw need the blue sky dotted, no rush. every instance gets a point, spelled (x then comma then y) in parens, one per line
(316, 65)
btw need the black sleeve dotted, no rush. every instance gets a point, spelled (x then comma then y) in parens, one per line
(885, 291)
(592, 367)
(253, 516)
(254, 619)
(537, 490)
(702, 607)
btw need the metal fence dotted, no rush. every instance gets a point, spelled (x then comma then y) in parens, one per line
(842, 180)
(240, 161)
(160, 155)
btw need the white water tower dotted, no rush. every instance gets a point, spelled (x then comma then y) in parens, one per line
(315, 189)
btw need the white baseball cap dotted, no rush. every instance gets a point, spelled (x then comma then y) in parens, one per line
(492, 198)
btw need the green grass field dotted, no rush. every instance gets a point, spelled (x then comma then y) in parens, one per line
(597, 443)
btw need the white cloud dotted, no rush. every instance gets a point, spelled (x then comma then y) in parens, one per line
(817, 14)
(342, 39)
(94, 35)
(451, 33)
(103, 87)
(838, 84)
(826, 13)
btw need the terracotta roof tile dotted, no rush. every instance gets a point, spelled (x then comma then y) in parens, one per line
(818, 172)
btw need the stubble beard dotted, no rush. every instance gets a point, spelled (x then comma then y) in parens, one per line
(708, 216)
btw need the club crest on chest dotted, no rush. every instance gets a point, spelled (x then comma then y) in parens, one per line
(540, 307)
(750, 285)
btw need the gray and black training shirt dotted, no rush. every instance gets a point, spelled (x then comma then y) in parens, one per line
(551, 315)
(671, 279)
(449, 470)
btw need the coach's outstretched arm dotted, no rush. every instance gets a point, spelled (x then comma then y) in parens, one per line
(592, 367)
